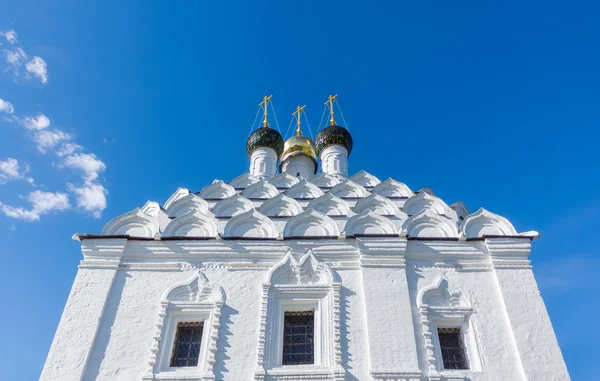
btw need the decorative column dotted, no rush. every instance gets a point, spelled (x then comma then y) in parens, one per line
(76, 333)
(393, 352)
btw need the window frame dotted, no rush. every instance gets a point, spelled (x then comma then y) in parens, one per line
(314, 333)
(438, 346)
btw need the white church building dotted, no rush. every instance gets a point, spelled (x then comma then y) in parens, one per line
(288, 272)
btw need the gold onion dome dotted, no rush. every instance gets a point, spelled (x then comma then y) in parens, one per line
(265, 137)
(331, 135)
(298, 145)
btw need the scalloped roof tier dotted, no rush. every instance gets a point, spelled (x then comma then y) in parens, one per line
(324, 206)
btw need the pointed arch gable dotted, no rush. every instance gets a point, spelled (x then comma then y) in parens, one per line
(370, 224)
(179, 193)
(393, 188)
(424, 200)
(232, 206)
(136, 223)
(365, 179)
(484, 223)
(426, 224)
(244, 181)
(260, 190)
(349, 189)
(330, 205)
(304, 190)
(280, 206)
(377, 204)
(250, 224)
(324, 180)
(308, 270)
(218, 190)
(283, 180)
(192, 224)
(310, 224)
(185, 204)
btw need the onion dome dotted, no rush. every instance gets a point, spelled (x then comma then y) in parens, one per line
(298, 145)
(333, 135)
(265, 137)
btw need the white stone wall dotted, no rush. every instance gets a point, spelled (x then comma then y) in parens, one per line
(334, 160)
(111, 324)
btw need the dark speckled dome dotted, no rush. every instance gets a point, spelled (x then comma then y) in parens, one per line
(333, 135)
(265, 137)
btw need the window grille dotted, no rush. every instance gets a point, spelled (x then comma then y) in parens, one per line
(186, 349)
(298, 333)
(453, 350)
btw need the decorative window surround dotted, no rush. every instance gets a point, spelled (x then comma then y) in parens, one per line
(194, 300)
(441, 308)
(295, 285)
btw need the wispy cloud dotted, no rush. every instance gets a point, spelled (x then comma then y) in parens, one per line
(46, 140)
(6, 106)
(17, 59)
(89, 164)
(38, 122)
(10, 171)
(41, 203)
(91, 197)
(10, 36)
(38, 68)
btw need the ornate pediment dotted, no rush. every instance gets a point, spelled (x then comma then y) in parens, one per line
(365, 179)
(304, 190)
(218, 190)
(310, 224)
(349, 189)
(324, 180)
(260, 190)
(243, 181)
(185, 204)
(330, 205)
(250, 224)
(377, 204)
(137, 223)
(232, 206)
(392, 188)
(192, 224)
(370, 224)
(307, 271)
(284, 180)
(280, 206)
(427, 224)
(483, 223)
(424, 200)
(439, 295)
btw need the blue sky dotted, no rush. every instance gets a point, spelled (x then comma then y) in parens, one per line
(108, 104)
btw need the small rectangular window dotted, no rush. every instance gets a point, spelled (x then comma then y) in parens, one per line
(298, 335)
(453, 350)
(186, 349)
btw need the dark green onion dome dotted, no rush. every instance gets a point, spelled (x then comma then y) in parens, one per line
(333, 135)
(265, 137)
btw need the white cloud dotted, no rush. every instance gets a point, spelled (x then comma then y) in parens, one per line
(15, 57)
(38, 122)
(6, 106)
(48, 139)
(10, 35)
(91, 197)
(68, 148)
(88, 163)
(41, 203)
(37, 67)
(9, 170)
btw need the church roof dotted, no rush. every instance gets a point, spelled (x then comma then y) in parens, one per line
(285, 208)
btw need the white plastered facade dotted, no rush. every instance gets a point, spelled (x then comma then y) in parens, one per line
(381, 279)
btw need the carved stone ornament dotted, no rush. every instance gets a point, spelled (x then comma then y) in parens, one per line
(424, 200)
(195, 299)
(330, 205)
(370, 224)
(311, 224)
(280, 206)
(192, 224)
(137, 223)
(250, 224)
(218, 190)
(304, 190)
(427, 224)
(483, 223)
(232, 206)
(365, 179)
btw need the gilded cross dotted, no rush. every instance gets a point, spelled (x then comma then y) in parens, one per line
(297, 113)
(265, 104)
(330, 101)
